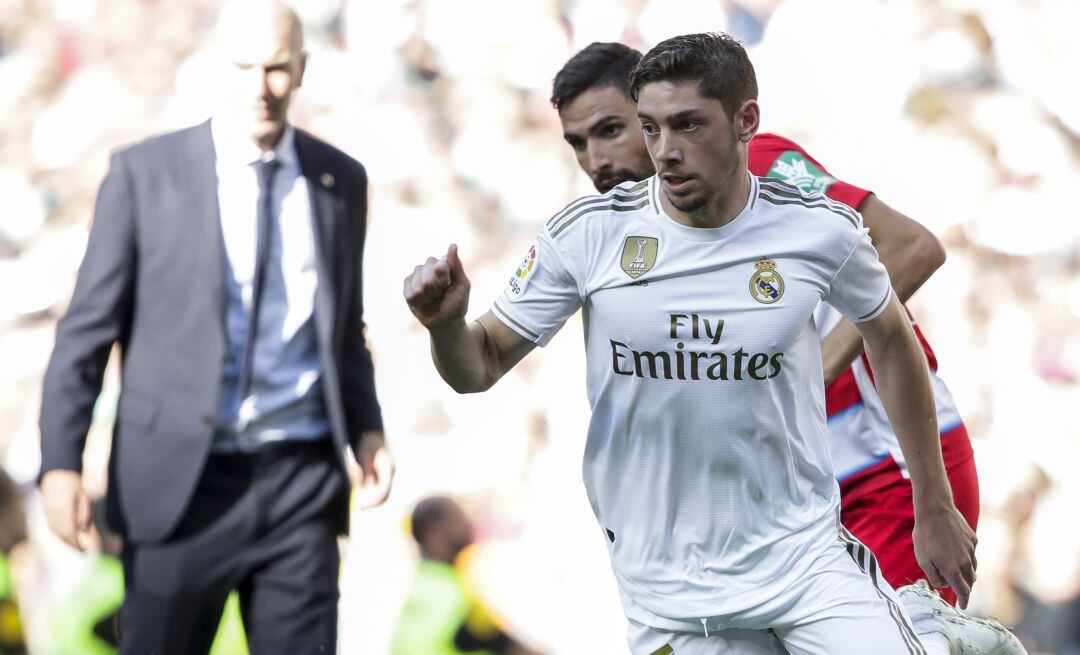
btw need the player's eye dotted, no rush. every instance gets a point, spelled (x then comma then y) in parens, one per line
(611, 130)
(649, 129)
(689, 126)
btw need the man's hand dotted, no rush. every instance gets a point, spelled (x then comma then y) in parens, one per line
(944, 544)
(374, 474)
(438, 291)
(945, 549)
(67, 508)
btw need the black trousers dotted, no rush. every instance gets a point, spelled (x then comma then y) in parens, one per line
(264, 524)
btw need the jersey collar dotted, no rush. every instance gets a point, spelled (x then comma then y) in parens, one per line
(676, 229)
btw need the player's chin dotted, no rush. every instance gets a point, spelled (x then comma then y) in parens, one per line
(688, 203)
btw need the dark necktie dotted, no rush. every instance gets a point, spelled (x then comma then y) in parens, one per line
(264, 215)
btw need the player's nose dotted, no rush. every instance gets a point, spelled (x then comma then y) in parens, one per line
(666, 150)
(599, 159)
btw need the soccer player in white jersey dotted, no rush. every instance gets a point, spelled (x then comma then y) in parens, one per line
(707, 464)
(592, 95)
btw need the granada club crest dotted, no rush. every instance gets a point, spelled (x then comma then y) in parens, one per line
(639, 255)
(766, 285)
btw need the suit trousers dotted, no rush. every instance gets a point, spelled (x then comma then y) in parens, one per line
(265, 524)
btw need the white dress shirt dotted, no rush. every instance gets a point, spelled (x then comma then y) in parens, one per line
(285, 400)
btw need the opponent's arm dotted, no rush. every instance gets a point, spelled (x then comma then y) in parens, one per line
(944, 543)
(471, 356)
(910, 253)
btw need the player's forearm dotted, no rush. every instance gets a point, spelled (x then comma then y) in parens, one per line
(903, 383)
(465, 356)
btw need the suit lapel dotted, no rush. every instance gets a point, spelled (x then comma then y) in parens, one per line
(200, 176)
(325, 206)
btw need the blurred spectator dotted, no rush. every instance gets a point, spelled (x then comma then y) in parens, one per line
(12, 536)
(87, 620)
(441, 615)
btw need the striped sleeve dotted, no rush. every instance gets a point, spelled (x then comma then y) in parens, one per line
(540, 294)
(861, 288)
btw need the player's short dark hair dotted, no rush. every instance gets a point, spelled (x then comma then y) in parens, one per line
(716, 61)
(598, 65)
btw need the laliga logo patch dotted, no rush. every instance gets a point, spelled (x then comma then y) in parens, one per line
(520, 279)
(766, 285)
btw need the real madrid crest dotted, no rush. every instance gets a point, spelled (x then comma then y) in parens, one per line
(766, 285)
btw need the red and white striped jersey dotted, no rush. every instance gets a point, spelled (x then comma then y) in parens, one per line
(860, 434)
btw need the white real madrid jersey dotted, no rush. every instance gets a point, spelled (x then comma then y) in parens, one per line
(707, 463)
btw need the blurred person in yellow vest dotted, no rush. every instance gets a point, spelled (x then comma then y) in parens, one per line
(86, 621)
(12, 538)
(441, 615)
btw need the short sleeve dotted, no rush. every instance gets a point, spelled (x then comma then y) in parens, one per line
(861, 289)
(540, 294)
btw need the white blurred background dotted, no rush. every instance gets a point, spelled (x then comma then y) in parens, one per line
(964, 114)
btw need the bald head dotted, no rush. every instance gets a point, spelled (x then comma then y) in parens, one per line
(262, 21)
(260, 43)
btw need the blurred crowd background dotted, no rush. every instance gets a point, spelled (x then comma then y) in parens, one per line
(964, 114)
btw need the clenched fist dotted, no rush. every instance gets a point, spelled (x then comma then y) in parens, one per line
(438, 291)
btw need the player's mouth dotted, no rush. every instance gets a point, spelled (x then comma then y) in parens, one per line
(676, 183)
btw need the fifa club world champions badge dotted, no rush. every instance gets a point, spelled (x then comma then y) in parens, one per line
(638, 255)
(766, 285)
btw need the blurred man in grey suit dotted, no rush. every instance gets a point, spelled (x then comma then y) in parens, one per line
(225, 259)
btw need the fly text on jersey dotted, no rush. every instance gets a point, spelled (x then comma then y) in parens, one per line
(689, 364)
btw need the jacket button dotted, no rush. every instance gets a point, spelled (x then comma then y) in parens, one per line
(208, 421)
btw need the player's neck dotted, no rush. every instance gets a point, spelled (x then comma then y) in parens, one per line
(720, 210)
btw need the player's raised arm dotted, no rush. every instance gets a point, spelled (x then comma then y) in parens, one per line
(472, 356)
(944, 544)
(910, 253)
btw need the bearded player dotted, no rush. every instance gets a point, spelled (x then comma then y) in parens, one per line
(592, 95)
(707, 462)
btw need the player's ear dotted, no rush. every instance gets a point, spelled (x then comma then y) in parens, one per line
(747, 120)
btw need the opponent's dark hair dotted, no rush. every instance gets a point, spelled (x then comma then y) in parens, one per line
(598, 65)
(716, 61)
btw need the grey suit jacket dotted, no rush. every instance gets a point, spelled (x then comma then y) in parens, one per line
(153, 281)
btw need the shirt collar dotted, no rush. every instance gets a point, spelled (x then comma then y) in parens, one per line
(232, 149)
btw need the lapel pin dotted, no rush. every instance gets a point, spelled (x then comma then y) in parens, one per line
(327, 180)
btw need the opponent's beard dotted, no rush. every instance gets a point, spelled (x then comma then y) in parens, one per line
(608, 180)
